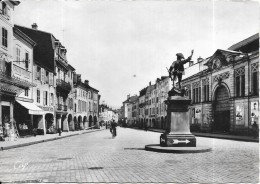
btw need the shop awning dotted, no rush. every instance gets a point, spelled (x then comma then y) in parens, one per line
(32, 108)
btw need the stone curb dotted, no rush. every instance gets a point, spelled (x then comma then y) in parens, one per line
(44, 140)
(213, 136)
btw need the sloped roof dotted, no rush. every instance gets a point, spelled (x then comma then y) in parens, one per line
(245, 42)
(150, 88)
(43, 52)
(131, 99)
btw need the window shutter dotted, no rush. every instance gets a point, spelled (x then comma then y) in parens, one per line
(35, 72)
(51, 79)
(50, 99)
(42, 74)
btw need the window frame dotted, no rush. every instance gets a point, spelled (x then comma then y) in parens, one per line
(4, 37)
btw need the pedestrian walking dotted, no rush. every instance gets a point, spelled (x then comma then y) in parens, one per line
(145, 126)
(113, 128)
(255, 130)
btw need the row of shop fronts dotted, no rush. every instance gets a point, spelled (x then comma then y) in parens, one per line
(28, 119)
(38, 87)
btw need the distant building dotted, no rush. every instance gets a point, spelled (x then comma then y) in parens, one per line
(141, 104)
(163, 86)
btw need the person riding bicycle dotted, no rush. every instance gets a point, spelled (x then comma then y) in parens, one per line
(113, 127)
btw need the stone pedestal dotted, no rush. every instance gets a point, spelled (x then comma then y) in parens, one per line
(177, 137)
(177, 127)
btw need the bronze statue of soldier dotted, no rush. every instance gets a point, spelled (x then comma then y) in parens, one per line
(177, 70)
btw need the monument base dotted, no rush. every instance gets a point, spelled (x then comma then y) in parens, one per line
(177, 140)
(158, 148)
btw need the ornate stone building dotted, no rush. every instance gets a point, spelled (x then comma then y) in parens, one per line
(225, 91)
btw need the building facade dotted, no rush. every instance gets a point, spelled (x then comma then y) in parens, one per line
(26, 113)
(11, 83)
(51, 74)
(141, 104)
(163, 86)
(225, 94)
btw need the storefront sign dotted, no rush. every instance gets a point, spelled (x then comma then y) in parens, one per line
(254, 112)
(239, 114)
(47, 108)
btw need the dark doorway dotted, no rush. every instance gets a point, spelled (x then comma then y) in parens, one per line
(222, 119)
(221, 110)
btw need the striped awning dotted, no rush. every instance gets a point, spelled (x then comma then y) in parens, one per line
(32, 108)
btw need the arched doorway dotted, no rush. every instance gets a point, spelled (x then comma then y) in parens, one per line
(80, 122)
(71, 124)
(85, 122)
(153, 123)
(76, 123)
(49, 123)
(64, 123)
(221, 110)
(90, 121)
(95, 120)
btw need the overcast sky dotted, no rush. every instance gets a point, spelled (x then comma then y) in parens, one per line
(119, 46)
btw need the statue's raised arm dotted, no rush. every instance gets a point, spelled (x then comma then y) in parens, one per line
(177, 68)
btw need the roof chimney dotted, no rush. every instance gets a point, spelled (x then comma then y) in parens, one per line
(35, 26)
(86, 82)
(150, 83)
(128, 96)
(200, 59)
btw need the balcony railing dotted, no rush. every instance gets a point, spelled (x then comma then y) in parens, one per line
(63, 85)
(7, 77)
(61, 107)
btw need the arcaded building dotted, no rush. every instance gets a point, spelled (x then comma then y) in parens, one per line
(225, 91)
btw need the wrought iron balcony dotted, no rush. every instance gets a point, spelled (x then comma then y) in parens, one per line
(62, 85)
(7, 77)
(61, 107)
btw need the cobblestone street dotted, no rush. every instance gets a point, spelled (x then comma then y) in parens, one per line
(96, 157)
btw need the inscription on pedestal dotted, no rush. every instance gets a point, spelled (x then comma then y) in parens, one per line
(178, 140)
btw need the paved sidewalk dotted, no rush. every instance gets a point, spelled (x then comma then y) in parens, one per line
(212, 135)
(4, 145)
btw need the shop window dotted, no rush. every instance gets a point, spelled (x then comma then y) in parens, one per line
(79, 106)
(240, 82)
(38, 73)
(38, 96)
(206, 93)
(196, 96)
(255, 79)
(26, 60)
(26, 92)
(45, 97)
(18, 54)
(4, 37)
(51, 99)
(47, 77)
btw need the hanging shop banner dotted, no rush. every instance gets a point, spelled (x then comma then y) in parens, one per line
(254, 112)
(239, 114)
